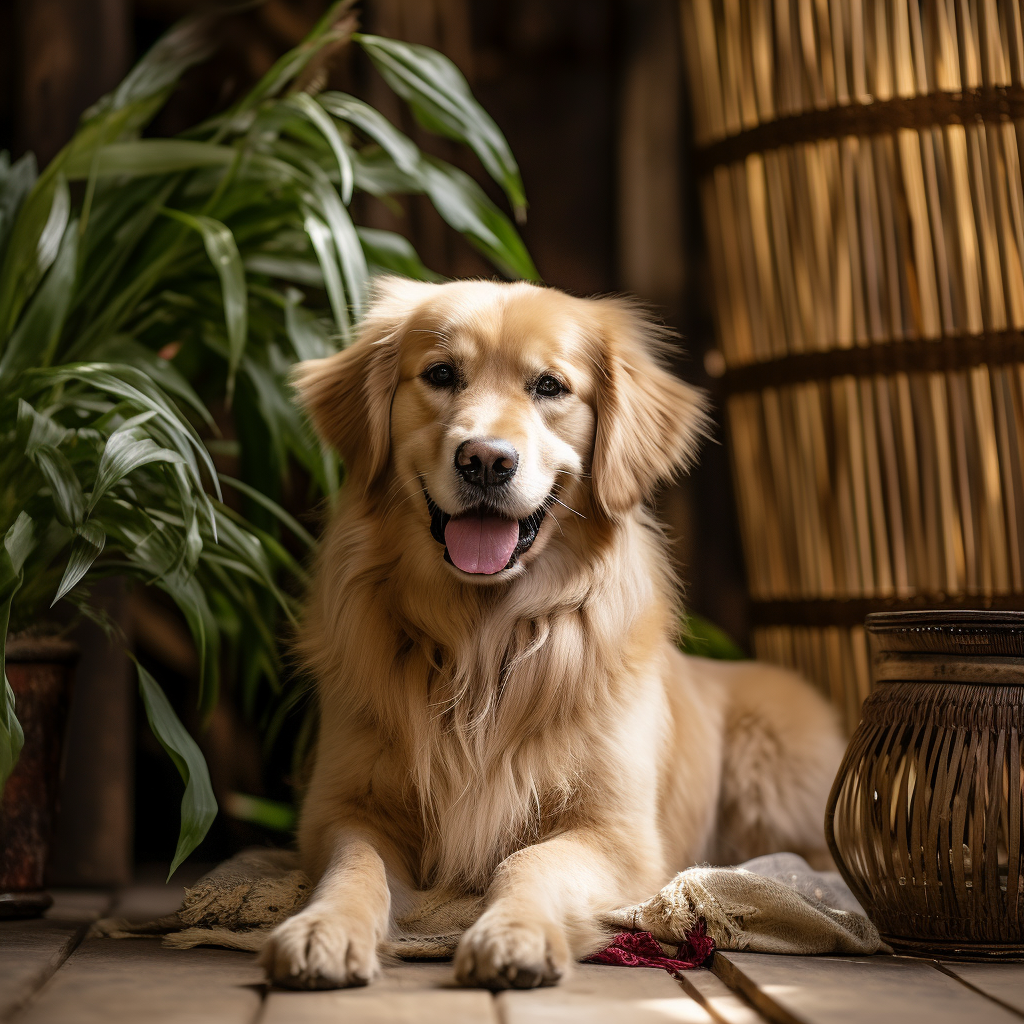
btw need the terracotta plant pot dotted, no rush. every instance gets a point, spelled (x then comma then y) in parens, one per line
(40, 672)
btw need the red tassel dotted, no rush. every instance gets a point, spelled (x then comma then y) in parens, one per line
(642, 949)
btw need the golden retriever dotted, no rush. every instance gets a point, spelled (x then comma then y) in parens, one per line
(490, 627)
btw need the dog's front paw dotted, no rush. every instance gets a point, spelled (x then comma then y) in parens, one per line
(321, 949)
(501, 952)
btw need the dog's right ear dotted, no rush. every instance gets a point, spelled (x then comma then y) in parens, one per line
(649, 422)
(348, 395)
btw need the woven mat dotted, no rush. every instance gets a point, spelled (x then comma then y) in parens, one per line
(774, 904)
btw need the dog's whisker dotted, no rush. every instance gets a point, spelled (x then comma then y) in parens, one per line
(391, 497)
(392, 490)
(548, 512)
(392, 507)
(563, 504)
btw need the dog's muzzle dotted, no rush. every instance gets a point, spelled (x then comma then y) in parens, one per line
(481, 540)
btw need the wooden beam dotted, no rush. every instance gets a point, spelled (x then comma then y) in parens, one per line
(71, 53)
(92, 842)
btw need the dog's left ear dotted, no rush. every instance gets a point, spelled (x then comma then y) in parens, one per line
(649, 422)
(348, 396)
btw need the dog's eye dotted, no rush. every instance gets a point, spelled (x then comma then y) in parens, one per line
(548, 386)
(441, 375)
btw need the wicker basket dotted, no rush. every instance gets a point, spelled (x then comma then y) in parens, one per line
(861, 185)
(926, 817)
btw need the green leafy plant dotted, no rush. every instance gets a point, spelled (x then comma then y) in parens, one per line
(703, 638)
(154, 294)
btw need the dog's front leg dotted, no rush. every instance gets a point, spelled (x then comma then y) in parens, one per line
(543, 910)
(332, 942)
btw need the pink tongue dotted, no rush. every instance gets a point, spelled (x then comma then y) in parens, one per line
(479, 543)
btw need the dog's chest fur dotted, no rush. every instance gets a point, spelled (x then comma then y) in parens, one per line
(477, 723)
(485, 760)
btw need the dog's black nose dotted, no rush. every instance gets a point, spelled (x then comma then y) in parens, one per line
(486, 461)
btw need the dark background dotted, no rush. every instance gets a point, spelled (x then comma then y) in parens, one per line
(589, 94)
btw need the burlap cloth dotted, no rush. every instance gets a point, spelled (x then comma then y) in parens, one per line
(774, 904)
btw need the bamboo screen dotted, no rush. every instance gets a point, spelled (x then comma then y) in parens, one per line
(860, 176)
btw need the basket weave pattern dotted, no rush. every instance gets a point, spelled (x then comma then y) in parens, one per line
(926, 819)
(863, 204)
(926, 815)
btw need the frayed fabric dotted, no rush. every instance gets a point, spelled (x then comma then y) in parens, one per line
(772, 904)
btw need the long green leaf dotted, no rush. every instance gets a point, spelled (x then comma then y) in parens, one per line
(35, 338)
(287, 269)
(223, 252)
(188, 43)
(123, 454)
(123, 349)
(326, 32)
(17, 544)
(144, 157)
(323, 246)
(125, 110)
(394, 253)
(343, 234)
(16, 181)
(65, 487)
(198, 805)
(270, 814)
(50, 237)
(271, 506)
(308, 337)
(442, 102)
(115, 233)
(465, 206)
(703, 638)
(459, 200)
(379, 175)
(33, 246)
(314, 113)
(85, 549)
(280, 557)
(192, 602)
(35, 429)
(373, 123)
(128, 383)
(21, 269)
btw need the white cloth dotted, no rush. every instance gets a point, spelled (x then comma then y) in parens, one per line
(773, 904)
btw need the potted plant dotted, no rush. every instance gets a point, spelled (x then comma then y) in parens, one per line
(144, 281)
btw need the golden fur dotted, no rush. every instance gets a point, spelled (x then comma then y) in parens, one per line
(533, 735)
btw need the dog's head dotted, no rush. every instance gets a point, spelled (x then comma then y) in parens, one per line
(498, 411)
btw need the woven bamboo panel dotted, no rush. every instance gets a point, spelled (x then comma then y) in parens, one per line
(861, 186)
